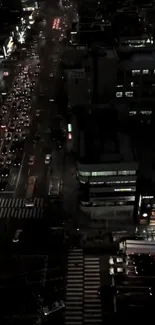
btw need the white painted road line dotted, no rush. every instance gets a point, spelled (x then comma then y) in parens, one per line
(19, 174)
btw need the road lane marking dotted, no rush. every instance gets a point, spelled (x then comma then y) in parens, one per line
(19, 174)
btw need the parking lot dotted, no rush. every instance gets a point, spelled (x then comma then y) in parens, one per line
(133, 283)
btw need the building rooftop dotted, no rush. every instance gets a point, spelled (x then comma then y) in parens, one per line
(101, 144)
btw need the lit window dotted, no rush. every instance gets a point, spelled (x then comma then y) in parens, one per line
(135, 72)
(129, 93)
(132, 84)
(119, 94)
(146, 112)
(132, 113)
(119, 86)
(145, 71)
(154, 71)
(126, 172)
(84, 173)
(104, 173)
(126, 189)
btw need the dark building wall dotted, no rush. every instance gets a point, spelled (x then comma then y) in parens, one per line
(10, 12)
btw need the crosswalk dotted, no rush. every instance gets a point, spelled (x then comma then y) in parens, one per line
(15, 208)
(83, 305)
(92, 302)
(74, 292)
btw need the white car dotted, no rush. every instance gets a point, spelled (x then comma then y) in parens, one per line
(31, 160)
(117, 260)
(47, 159)
(55, 307)
(118, 270)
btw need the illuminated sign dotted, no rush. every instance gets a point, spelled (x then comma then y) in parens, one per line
(69, 136)
(69, 127)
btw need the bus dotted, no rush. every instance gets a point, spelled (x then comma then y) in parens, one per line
(130, 247)
(30, 191)
(55, 188)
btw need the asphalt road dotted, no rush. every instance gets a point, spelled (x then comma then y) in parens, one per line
(62, 166)
(50, 51)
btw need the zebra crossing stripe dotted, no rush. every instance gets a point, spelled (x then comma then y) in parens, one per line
(15, 208)
(92, 303)
(74, 292)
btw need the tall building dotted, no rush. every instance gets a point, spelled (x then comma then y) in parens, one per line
(107, 165)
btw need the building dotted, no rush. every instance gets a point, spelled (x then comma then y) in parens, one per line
(78, 77)
(136, 83)
(91, 74)
(106, 167)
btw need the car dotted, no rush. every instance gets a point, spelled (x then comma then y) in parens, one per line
(1, 161)
(20, 145)
(8, 136)
(117, 260)
(12, 127)
(21, 121)
(12, 148)
(3, 186)
(17, 161)
(4, 150)
(47, 159)
(5, 172)
(19, 108)
(23, 114)
(27, 123)
(14, 105)
(18, 129)
(58, 305)
(114, 270)
(31, 160)
(23, 136)
(16, 138)
(4, 110)
(16, 117)
(8, 161)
